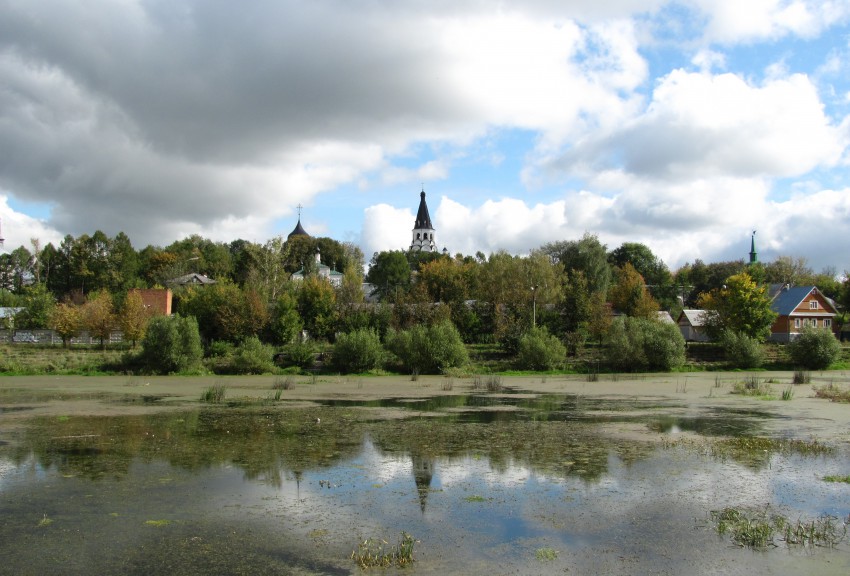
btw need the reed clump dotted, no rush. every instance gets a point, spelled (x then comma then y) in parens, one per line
(374, 552)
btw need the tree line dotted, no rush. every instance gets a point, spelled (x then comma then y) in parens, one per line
(566, 289)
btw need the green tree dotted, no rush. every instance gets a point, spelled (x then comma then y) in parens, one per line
(699, 277)
(587, 255)
(539, 350)
(202, 255)
(317, 307)
(517, 291)
(253, 357)
(644, 344)
(16, 269)
(389, 272)
(122, 265)
(224, 311)
(358, 351)
(266, 267)
(285, 322)
(630, 296)
(741, 306)
(788, 270)
(815, 348)
(741, 350)
(38, 304)
(454, 282)
(428, 349)
(172, 344)
(647, 264)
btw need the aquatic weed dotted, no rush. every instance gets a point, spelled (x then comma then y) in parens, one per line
(214, 394)
(372, 552)
(844, 479)
(491, 383)
(824, 531)
(753, 386)
(756, 449)
(157, 523)
(832, 392)
(475, 498)
(287, 383)
(788, 393)
(747, 528)
(546, 554)
(802, 377)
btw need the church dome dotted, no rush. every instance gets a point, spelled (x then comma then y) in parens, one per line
(298, 231)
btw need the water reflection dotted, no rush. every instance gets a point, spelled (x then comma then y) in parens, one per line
(272, 490)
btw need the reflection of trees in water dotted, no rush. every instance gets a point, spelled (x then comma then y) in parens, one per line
(262, 444)
(274, 445)
(559, 449)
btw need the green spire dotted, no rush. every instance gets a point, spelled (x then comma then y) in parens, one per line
(754, 256)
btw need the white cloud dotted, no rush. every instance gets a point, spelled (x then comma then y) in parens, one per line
(700, 125)
(736, 21)
(385, 228)
(17, 229)
(166, 119)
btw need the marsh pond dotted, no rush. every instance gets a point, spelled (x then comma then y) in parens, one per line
(543, 476)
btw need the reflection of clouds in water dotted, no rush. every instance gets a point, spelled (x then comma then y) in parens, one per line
(385, 467)
(29, 470)
(7, 469)
(800, 486)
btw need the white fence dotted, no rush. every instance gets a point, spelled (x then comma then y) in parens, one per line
(51, 337)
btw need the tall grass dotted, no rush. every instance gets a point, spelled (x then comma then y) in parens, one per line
(214, 394)
(378, 553)
(491, 383)
(758, 529)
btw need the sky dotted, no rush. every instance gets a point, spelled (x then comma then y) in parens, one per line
(682, 125)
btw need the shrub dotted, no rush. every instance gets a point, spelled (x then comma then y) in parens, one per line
(814, 348)
(428, 350)
(301, 354)
(645, 344)
(539, 350)
(358, 351)
(253, 357)
(741, 350)
(172, 344)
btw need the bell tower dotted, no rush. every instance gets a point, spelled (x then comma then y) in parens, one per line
(423, 231)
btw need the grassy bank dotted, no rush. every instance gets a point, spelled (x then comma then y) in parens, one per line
(37, 359)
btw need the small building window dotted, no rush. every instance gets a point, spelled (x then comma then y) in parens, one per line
(827, 322)
(796, 322)
(814, 322)
(813, 305)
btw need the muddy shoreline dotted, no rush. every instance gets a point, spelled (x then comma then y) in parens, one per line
(804, 416)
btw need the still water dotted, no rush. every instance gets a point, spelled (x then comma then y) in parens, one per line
(486, 485)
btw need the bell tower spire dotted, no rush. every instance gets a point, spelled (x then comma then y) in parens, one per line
(423, 231)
